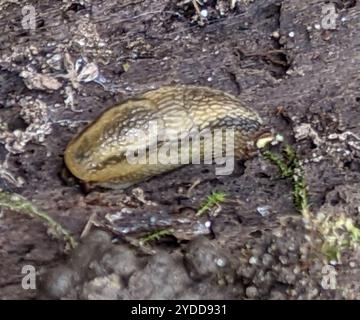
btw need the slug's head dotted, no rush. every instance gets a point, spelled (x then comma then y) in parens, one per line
(257, 141)
(264, 138)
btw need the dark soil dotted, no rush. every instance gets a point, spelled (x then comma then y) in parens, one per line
(303, 83)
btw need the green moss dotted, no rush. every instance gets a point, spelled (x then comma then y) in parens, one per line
(289, 167)
(335, 231)
(212, 200)
(155, 235)
(18, 203)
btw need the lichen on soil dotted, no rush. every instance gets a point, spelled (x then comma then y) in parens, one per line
(85, 56)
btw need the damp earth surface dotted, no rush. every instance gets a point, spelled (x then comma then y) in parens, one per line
(286, 59)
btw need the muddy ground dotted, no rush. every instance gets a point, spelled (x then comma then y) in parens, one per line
(279, 56)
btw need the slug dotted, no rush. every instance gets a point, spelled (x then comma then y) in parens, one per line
(98, 154)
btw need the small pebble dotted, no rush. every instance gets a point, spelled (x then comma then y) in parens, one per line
(276, 34)
(220, 262)
(267, 259)
(251, 292)
(204, 13)
(208, 224)
(263, 211)
(283, 260)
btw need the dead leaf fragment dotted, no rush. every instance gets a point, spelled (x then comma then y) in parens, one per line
(40, 81)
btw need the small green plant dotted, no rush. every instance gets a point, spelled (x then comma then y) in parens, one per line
(289, 167)
(155, 235)
(18, 203)
(338, 233)
(335, 231)
(285, 164)
(215, 198)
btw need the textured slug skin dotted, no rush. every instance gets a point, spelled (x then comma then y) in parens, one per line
(98, 153)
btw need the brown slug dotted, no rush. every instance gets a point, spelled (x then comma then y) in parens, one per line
(99, 153)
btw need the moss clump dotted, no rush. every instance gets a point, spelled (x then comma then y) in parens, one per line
(215, 198)
(331, 233)
(155, 235)
(289, 167)
(18, 203)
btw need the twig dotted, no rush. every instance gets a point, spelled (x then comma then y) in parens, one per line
(193, 186)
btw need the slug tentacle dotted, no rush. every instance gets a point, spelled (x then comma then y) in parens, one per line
(140, 128)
